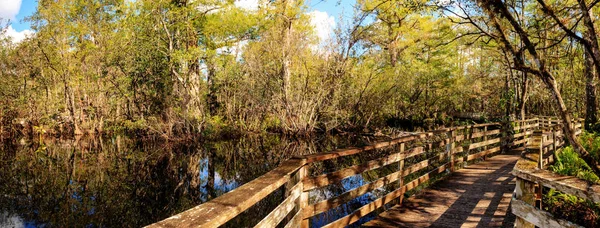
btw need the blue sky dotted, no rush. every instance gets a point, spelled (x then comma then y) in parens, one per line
(27, 8)
(332, 8)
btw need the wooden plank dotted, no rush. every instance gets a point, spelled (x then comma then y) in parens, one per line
(483, 153)
(538, 217)
(566, 184)
(352, 151)
(485, 133)
(401, 179)
(412, 152)
(476, 126)
(422, 179)
(458, 149)
(364, 210)
(488, 124)
(329, 178)
(325, 205)
(334, 177)
(527, 120)
(331, 203)
(415, 167)
(524, 127)
(458, 160)
(225, 207)
(484, 143)
(295, 221)
(518, 142)
(525, 133)
(280, 212)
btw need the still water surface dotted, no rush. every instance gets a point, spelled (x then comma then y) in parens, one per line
(123, 182)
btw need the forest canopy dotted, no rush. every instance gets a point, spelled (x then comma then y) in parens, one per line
(181, 67)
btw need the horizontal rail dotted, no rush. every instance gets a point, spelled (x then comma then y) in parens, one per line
(327, 179)
(352, 151)
(279, 213)
(531, 177)
(444, 147)
(538, 217)
(328, 204)
(566, 184)
(220, 210)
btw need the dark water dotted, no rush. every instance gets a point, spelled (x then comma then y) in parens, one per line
(122, 182)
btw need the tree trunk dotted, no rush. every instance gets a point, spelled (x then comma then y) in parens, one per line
(497, 6)
(568, 122)
(590, 93)
(285, 53)
(211, 99)
(590, 35)
(523, 101)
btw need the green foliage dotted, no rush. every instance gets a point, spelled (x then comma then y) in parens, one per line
(591, 142)
(569, 163)
(572, 208)
(191, 67)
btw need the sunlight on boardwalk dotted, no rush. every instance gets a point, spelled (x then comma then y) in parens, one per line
(476, 196)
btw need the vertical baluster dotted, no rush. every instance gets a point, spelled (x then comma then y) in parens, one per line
(524, 191)
(303, 200)
(450, 148)
(485, 138)
(400, 177)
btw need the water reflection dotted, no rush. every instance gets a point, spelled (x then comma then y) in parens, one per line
(122, 182)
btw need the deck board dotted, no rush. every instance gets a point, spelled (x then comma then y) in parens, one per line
(476, 196)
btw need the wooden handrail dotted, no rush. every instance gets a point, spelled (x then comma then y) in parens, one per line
(566, 184)
(532, 176)
(220, 210)
(426, 155)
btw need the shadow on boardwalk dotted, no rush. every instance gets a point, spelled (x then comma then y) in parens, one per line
(476, 196)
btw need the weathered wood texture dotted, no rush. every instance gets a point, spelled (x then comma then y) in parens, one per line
(430, 154)
(536, 217)
(222, 209)
(476, 196)
(566, 184)
(531, 177)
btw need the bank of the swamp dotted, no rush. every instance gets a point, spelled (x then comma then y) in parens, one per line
(216, 128)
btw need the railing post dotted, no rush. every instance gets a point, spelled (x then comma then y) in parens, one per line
(554, 142)
(507, 135)
(485, 138)
(400, 176)
(538, 137)
(303, 200)
(450, 148)
(524, 191)
(468, 135)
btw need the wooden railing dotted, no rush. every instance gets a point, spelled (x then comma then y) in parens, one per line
(532, 177)
(401, 166)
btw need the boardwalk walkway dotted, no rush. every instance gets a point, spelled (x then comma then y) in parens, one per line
(476, 196)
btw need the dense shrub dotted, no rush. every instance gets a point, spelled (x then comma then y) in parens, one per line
(569, 163)
(570, 207)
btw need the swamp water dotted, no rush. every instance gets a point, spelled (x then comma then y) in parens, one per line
(122, 182)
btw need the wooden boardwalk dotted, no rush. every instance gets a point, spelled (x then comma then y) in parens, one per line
(476, 196)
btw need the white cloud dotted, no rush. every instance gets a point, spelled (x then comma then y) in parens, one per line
(9, 9)
(236, 49)
(246, 4)
(323, 24)
(17, 37)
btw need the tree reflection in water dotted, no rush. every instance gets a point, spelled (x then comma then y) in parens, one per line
(119, 181)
